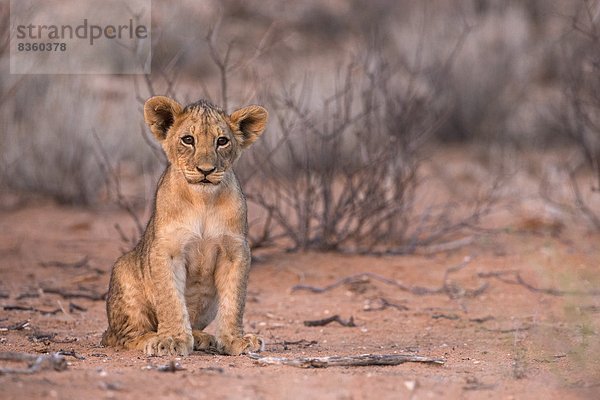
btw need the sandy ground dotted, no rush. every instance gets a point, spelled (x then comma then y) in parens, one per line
(506, 341)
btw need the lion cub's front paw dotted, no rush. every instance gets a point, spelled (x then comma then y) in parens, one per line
(203, 340)
(161, 345)
(234, 346)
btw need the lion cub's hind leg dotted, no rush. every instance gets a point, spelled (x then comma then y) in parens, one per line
(131, 323)
(133, 326)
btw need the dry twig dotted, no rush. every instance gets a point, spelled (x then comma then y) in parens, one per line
(223, 60)
(481, 320)
(452, 290)
(517, 279)
(15, 327)
(71, 294)
(45, 337)
(345, 361)
(27, 295)
(303, 343)
(71, 353)
(27, 308)
(76, 307)
(326, 321)
(451, 317)
(508, 330)
(113, 178)
(36, 363)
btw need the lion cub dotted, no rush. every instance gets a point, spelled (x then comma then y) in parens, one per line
(191, 264)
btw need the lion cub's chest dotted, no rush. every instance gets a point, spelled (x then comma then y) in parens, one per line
(202, 226)
(194, 235)
(197, 231)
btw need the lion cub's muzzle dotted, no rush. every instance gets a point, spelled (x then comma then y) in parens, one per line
(206, 173)
(205, 176)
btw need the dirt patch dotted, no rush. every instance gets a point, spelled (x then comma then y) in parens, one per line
(520, 319)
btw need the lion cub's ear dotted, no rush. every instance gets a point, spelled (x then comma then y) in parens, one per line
(159, 114)
(249, 123)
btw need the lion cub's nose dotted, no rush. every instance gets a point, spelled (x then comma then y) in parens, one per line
(206, 170)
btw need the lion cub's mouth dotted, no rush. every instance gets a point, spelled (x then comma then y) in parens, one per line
(205, 182)
(201, 182)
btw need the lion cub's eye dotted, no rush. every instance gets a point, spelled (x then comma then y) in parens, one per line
(187, 139)
(222, 141)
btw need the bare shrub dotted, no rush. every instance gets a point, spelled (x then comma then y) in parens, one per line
(48, 148)
(341, 167)
(46, 132)
(579, 113)
(345, 176)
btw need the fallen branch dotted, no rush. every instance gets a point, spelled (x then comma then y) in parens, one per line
(71, 353)
(508, 330)
(326, 321)
(27, 308)
(42, 337)
(47, 337)
(345, 361)
(15, 327)
(354, 279)
(517, 279)
(67, 294)
(76, 307)
(303, 343)
(451, 317)
(67, 339)
(54, 362)
(453, 291)
(481, 320)
(27, 295)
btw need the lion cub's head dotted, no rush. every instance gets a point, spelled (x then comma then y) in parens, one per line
(200, 139)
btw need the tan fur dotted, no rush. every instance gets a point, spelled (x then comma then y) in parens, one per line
(191, 265)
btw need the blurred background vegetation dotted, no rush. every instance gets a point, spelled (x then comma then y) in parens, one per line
(368, 101)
